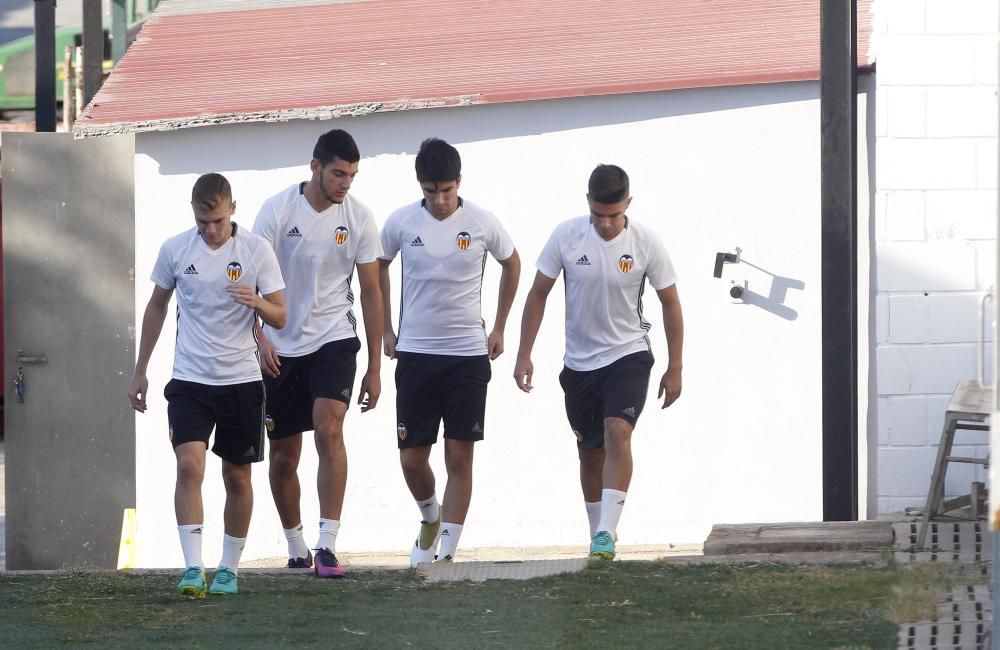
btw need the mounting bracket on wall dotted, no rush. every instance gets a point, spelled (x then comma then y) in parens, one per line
(725, 258)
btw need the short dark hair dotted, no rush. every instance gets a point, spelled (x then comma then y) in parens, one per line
(210, 191)
(336, 143)
(437, 162)
(608, 184)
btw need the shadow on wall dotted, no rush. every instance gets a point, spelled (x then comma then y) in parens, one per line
(774, 301)
(184, 151)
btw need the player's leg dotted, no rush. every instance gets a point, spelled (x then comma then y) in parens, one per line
(419, 477)
(331, 381)
(190, 425)
(583, 409)
(463, 397)
(418, 417)
(289, 413)
(624, 386)
(592, 482)
(239, 442)
(190, 514)
(331, 481)
(458, 457)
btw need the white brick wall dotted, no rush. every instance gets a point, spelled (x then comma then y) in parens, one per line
(935, 228)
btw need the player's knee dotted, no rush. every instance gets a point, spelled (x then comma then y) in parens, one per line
(283, 458)
(458, 464)
(617, 433)
(412, 463)
(329, 441)
(190, 470)
(236, 479)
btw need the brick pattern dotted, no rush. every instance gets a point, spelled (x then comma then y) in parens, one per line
(935, 228)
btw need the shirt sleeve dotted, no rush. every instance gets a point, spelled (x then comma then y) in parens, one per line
(163, 271)
(498, 242)
(269, 279)
(550, 260)
(266, 223)
(369, 245)
(390, 239)
(660, 271)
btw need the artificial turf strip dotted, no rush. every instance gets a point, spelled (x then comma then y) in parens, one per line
(644, 604)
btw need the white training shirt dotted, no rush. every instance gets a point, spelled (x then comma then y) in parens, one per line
(443, 264)
(604, 285)
(317, 252)
(215, 335)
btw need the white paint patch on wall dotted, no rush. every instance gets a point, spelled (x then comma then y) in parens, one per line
(936, 192)
(711, 170)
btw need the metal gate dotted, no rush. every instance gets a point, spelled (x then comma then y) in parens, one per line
(69, 331)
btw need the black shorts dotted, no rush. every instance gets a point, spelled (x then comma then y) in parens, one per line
(435, 387)
(236, 412)
(328, 373)
(617, 390)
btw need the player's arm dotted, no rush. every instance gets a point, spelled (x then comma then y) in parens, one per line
(531, 321)
(510, 276)
(152, 325)
(270, 307)
(673, 323)
(388, 333)
(372, 308)
(270, 363)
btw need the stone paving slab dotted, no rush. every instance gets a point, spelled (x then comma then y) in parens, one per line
(829, 536)
(510, 570)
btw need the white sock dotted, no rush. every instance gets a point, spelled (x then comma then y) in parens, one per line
(232, 549)
(593, 515)
(449, 539)
(328, 529)
(297, 546)
(430, 509)
(612, 502)
(191, 544)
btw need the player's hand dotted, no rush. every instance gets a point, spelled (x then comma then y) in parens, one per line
(523, 370)
(371, 388)
(670, 387)
(389, 343)
(244, 295)
(137, 392)
(270, 364)
(494, 344)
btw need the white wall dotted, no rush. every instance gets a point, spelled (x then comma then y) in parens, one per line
(936, 225)
(711, 169)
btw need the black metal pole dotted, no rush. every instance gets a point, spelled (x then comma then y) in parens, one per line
(838, 125)
(45, 65)
(93, 49)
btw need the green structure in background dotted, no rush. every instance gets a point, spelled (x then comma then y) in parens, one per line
(17, 58)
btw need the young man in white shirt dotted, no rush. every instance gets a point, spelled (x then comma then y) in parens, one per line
(443, 351)
(225, 278)
(606, 259)
(320, 235)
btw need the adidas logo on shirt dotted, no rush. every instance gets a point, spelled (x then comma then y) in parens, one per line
(630, 411)
(417, 242)
(191, 270)
(294, 232)
(583, 261)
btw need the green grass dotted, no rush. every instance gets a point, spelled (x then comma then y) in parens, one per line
(642, 604)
